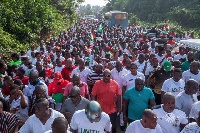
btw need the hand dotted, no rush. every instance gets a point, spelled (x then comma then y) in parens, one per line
(20, 92)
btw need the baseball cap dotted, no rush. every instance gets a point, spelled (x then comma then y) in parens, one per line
(167, 65)
(58, 77)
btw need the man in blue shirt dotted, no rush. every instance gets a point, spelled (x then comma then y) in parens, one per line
(136, 100)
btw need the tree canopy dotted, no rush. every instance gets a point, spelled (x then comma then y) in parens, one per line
(184, 12)
(24, 21)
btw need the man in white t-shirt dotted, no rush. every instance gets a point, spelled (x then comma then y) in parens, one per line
(170, 119)
(181, 56)
(192, 73)
(194, 111)
(118, 74)
(91, 119)
(186, 98)
(18, 102)
(82, 70)
(148, 124)
(141, 63)
(129, 79)
(193, 127)
(42, 120)
(175, 84)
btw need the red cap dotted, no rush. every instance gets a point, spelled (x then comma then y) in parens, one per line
(48, 72)
(108, 48)
(58, 77)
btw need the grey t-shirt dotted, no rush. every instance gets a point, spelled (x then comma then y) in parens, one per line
(68, 106)
(184, 102)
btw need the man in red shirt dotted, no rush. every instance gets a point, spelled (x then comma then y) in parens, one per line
(66, 71)
(20, 74)
(171, 41)
(106, 91)
(56, 89)
(76, 81)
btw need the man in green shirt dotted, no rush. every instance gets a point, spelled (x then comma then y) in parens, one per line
(136, 100)
(15, 60)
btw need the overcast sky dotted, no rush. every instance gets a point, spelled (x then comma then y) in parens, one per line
(95, 2)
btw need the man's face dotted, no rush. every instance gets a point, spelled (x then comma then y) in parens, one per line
(194, 67)
(33, 79)
(192, 88)
(40, 94)
(75, 80)
(106, 77)
(81, 64)
(128, 63)
(177, 76)
(133, 68)
(118, 66)
(38, 56)
(139, 85)
(74, 97)
(169, 104)
(39, 111)
(190, 56)
(98, 68)
(141, 58)
(59, 63)
(14, 93)
(152, 122)
(38, 66)
(68, 64)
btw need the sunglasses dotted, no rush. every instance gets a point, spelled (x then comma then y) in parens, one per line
(73, 97)
(108, 75)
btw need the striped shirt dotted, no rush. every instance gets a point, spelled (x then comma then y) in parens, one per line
(8, 122)
(93, 76)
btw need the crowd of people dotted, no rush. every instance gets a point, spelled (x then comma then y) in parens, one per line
(91, 81)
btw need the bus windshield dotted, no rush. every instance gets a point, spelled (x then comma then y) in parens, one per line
(120, 16)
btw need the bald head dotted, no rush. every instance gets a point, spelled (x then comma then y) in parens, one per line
(34, 73)
(139, 84)
(139, 79)
(42, 102)
(191, 81)
(148, 113)
(69, 60)
(168, 95)
(107, 71)
(76, 75)
(39, 88)
(75, 90)
(168, 101)
(149, 119)
(60, 125)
